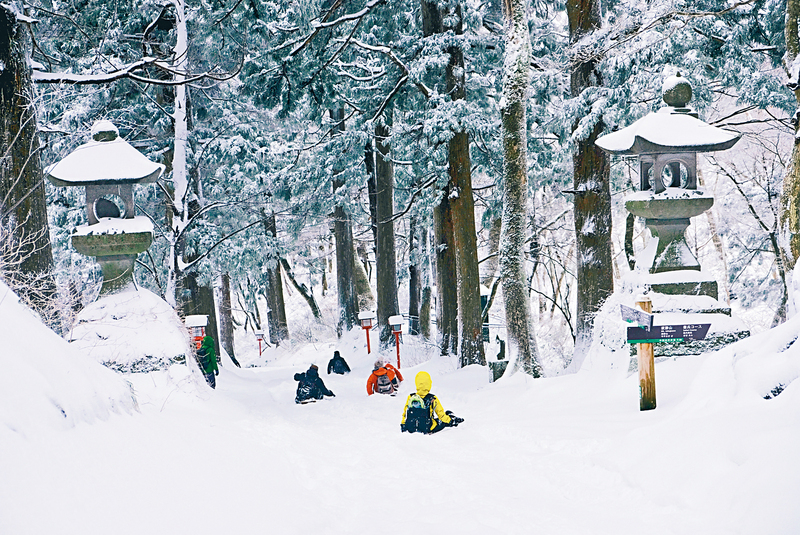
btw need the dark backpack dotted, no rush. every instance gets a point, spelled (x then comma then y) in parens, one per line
(418, 414)
(384, 385)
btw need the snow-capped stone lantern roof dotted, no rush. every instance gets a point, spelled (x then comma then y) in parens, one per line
(106, 160)
(108, 167)
(669, 139)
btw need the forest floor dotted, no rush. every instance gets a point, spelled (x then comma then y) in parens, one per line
(562, 455)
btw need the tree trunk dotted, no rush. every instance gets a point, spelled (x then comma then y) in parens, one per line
(276, 315)
(226, 318)
(302, 289)
(369, 163)
(343, 232)
(199, 299)
(591, 171)
(515, 190)
(23, 207)
(790, 198)
(385, 262)
(414, 277)
(425, 302)
(489, 265)
(463, 209)
(447, 305)
(364, 296)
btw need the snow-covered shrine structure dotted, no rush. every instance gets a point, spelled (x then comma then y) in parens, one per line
(111, 328)
(108, 167)
(666, 144)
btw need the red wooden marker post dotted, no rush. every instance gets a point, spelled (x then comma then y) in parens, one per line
(366, 324)
(260, 338)
(397, 327)
(647, 368)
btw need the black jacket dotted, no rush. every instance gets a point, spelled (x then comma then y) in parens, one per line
(338, 365)
(310, 386)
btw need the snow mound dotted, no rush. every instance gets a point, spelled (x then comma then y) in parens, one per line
(45, 381)
(134, 331)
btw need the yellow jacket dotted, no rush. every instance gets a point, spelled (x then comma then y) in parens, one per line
(423, 383)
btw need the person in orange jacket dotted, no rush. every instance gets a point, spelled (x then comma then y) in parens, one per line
(385, 379)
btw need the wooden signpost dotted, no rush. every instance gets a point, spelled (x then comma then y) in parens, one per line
(648, 334)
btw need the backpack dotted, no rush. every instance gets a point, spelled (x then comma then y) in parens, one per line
(418, 414)
(305, 390)
(384, 385)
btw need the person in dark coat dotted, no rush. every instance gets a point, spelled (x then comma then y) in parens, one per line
(207, 357)
(338, 365)
(310, 386)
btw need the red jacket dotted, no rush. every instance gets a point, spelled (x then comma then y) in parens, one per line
(388, 370)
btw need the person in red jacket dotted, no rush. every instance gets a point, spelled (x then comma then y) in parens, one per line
(385, 379)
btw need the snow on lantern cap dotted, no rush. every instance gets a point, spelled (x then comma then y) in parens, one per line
(106, 160)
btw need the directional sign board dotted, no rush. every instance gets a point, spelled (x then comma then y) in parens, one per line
(634, 315)
(668, 333)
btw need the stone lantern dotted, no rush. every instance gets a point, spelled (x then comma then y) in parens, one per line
(108, 167)
(666, 144)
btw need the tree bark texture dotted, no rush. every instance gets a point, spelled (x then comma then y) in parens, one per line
(414, 277)
(226, 318)
(519, 324)
(385, 264)
(447, 305)
(343, 232)
(489, 266)
(591, 177)
(276, 315)
(790, 198)
(427, 294)
(364, 296)
(369, 163)
(463, 209)
(23, 207)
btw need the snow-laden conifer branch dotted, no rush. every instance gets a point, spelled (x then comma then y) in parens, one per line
(129, 71)
(392, 56)
(319, 26)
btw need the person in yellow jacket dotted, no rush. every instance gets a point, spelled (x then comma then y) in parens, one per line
(423, 412)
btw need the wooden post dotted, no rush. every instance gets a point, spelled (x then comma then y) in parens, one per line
(647, 370)
(366, 330)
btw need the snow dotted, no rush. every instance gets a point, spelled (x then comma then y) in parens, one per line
(47, 385)
(133, 330)
(116, 225)
(668, 193)
(562, 455)
(104, 162)
(678, 131)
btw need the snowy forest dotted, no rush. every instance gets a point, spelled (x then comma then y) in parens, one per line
(313, 165)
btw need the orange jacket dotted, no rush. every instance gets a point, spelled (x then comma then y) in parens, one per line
(390, 371)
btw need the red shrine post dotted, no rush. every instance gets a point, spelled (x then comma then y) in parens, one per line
(397, 328)
(367, 320)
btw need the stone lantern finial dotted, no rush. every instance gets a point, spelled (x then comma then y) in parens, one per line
(677, 91)
(104, 130)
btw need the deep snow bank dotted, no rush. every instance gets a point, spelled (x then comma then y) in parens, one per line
(46, 382)
(133, 331)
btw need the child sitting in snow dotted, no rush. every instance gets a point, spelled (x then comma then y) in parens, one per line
(310, 386)
(385, 379)
(423, 413)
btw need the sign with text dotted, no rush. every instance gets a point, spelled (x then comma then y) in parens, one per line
(668, 333)
(634, 315)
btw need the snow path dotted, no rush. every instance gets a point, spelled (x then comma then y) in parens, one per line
(568, 455)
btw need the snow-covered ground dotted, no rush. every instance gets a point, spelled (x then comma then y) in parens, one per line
(563, 455)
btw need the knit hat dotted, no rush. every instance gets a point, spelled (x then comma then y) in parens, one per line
(378, 364)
